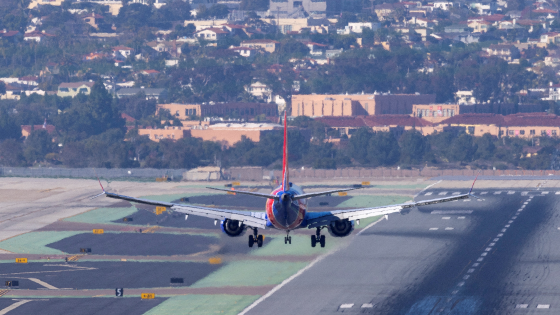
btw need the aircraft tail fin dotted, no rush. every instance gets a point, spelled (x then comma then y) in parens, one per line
(285, 175)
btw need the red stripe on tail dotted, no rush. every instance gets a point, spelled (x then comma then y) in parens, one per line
(285, 179)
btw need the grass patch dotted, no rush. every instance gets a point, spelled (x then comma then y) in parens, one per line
(250, 273)
(417, 186)
(36, 242)
(372, 201)
(203, 304)
(102, 215)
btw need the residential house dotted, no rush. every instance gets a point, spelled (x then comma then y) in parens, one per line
(443, 5)
(172, 47)
(150, 73)
(34, 3)
(384, 10)
(26, 130)
(465, 98)
(94, 56)
(260, 91)
(479, 26)
(550, 38)
(316, 49)
(36, 36)
(149, 93)
(72, 89)
(333, 53)
(456, 29)
(553, 92)
(485, 7)
(211, 34)
(93, 19)
(13, 36)
(422, 22)
(122, 51)
(267, 44)
(246, 52)
(507, 52)
(357, 27)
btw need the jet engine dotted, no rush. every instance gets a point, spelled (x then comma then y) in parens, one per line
(341, 228)
(232, 227)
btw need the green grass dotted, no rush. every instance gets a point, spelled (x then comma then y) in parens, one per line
(102, 215)
(250, 273)
(170, 198)
(365, 201)
(36, 242)
(417, 186)
(203, 304)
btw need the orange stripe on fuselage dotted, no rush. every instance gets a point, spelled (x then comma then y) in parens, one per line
(270, 213)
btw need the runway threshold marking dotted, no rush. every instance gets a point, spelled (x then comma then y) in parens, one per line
(543, 306)
(557, 193)
(497, 192)
(13, 306)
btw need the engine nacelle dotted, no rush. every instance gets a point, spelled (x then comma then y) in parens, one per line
(232, 228)
(405, 211)
(340, 228)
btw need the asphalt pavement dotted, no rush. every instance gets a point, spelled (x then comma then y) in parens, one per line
(493, 256)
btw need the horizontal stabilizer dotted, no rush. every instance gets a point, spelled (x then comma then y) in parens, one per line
(247, 193)
(321, 193)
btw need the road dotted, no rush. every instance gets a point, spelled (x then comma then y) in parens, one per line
(494, 256)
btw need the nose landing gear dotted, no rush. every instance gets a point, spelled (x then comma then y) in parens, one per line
(288, 238)
(256, 238)
(318, 238)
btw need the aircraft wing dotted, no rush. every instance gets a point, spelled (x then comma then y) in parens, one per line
(325, 218)
(253, 219)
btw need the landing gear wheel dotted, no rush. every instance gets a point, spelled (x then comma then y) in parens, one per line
(290, 239)
(322, 241)
(251, 240)
(313, 240)
(285, 240)
(260, 240)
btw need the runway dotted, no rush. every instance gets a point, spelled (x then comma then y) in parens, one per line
(494, 256)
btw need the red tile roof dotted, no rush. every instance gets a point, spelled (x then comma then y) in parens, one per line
(127, 117)
(474, 119)
(121, 48)
(50, 128)
(515, 120)
(374, 121)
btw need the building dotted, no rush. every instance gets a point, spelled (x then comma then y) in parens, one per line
(150, 93)
(267, 45)
(396, 124)
(465, 98)
(34, 3)
(260, 91)
(357, 104)
(358, 27)
(26, 130)
(122, 51)
(171, 133)
(287, 8)
(435, 112)
(93, 19)
(211, 34)
(72, 89)
(36, 36)
(236, 109)
(229, 134)
(504, 51)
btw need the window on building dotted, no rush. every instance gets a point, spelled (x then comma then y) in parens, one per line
(522, 132)
(532, 132)
(543, 132)
(63, 89)
(470, 129)
(501, 132)
(511, 132)
(83, 90)
(554, 132)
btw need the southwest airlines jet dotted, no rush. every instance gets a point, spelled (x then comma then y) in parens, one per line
(286, 210)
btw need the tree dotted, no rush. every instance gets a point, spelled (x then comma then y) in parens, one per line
(383, 149)
(2, 87)
(11, 153)
(462, 148)
(37, 145)
(485, 147)
(413, 147)
(358, 145)
(8, 127)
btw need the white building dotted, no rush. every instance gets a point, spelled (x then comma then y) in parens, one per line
(443, 5)
(465, 98)
(358, 27)
(260, 90)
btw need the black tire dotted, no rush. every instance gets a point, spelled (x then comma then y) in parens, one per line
(290, 240)
(322, 241)
(260, 240)
(285, 240)
(251, 240)
(313, 241)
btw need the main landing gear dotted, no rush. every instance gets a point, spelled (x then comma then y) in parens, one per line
(318, 238)
(288, 238)
(256, 238)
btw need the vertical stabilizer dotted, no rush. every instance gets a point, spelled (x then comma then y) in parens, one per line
(285, 177)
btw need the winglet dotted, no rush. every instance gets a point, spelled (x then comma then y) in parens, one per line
(470, 191)
(100, 184)
(103, 189)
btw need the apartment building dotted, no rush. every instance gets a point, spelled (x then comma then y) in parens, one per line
(240, 109)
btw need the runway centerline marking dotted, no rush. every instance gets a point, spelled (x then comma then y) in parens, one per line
(461, 218)
(13, 306)
(543, 306)
(511, 192)
(434, 229)
(484, 193)
(456, 193)
(347, 305)
(521, 305)
(428, 194)
(443, 193)
(497, 192)
(367, 305)
(448, 228)
(445, 218)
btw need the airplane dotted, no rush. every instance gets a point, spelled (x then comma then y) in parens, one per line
(286, 210)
